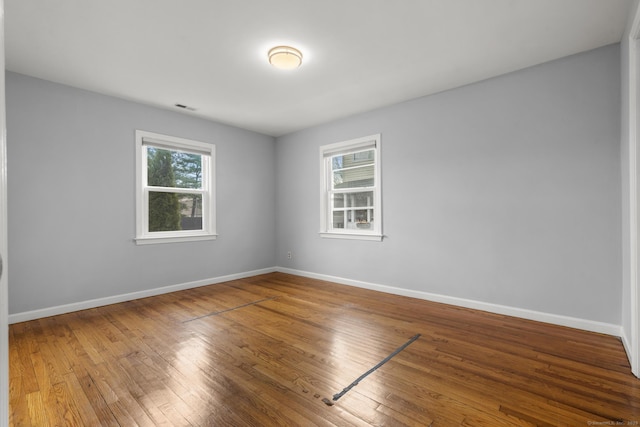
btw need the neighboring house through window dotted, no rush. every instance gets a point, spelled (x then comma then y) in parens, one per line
(351, 189)
(175, 189)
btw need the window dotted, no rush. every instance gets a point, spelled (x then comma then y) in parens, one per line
(350, 189)
(175, 189)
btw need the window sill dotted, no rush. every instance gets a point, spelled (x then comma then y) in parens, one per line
(173, 239)
(352, 236)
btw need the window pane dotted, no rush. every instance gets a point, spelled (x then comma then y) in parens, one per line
(173, 212)
(353, 219)
(364, 217)
(363, 156)
(164, 211)
(353, 170)
(169, 168)
(338, 200)
(360, 158)
(191, 211)
(338, 219)
(354, 177)
(359, 200)
(336, 162)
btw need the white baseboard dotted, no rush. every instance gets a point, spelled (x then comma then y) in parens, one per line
(626, 343)
(571, 322)
(98, 302)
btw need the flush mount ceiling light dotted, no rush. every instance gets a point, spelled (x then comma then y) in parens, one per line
(285, 57)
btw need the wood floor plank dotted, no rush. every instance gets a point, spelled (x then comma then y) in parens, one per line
(39, 415)
(85, 407)
(266, 350)
(22, 361)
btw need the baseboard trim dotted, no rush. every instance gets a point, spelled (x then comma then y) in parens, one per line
(98, 302)
(571, 322)
(626, 343)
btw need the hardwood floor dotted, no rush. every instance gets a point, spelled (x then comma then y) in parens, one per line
(266, 350)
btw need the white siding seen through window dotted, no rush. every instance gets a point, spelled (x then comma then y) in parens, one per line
(350, 190)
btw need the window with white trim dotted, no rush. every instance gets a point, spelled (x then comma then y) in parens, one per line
(350, 189)
(175, 191)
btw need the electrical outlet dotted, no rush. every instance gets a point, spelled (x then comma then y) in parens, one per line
(289, 256)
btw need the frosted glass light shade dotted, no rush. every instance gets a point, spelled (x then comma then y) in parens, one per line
(285, 57)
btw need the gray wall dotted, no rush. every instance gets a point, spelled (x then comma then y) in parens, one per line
(505, 191)
(72, 195)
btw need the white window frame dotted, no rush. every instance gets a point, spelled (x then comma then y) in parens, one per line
(208, 232)
(326, 178)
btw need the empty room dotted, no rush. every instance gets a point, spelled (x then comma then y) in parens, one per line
(337, 213)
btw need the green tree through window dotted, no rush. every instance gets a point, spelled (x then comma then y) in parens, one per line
(164, 208)
(188, 173)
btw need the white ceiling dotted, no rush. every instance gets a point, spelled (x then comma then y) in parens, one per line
(358, 54)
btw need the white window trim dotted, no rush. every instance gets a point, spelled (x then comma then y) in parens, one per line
(326, 151)
(208, 232)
